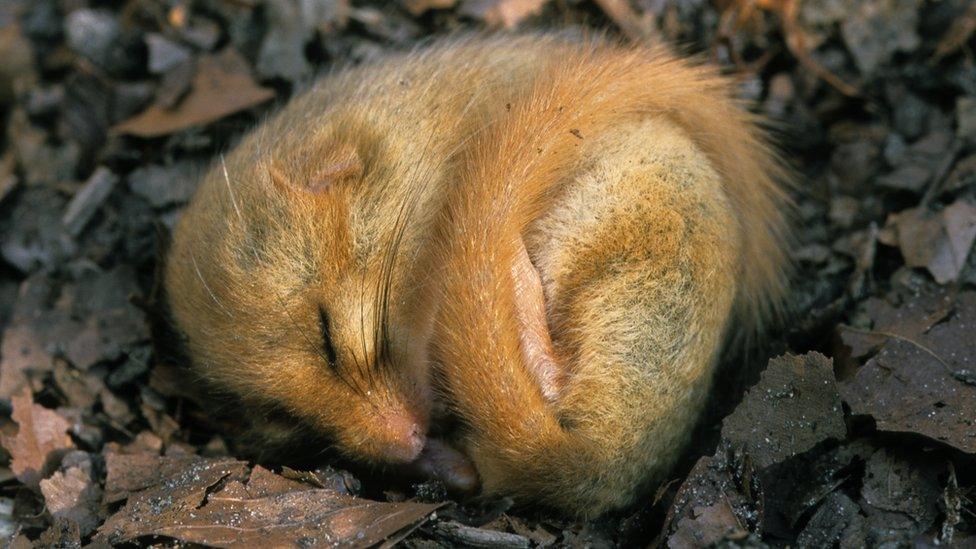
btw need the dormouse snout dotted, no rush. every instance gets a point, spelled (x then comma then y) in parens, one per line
(405, 437)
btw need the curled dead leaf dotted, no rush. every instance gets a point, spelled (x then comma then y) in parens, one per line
(223, 85)
(40, 443)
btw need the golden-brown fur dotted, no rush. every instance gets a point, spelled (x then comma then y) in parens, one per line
(401, 194)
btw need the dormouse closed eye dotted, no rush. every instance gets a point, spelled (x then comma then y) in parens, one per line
(327, 344)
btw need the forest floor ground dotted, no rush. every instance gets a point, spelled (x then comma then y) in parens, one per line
(860, 432)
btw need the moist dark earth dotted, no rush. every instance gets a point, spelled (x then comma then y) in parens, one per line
(853, 426)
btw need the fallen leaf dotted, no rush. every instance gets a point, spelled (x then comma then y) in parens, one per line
(501, 13)
(710, 525)
(837, 516)
(223, 85)
(63, 533)
(41, 440)
(901, 491)
(264, 483)
(923, 383)
(327, 477)
(282, 53)
(207, 502)
(18, 67)
(21, 353)
(728, 478)
(914, 314)
(33, 238)
(71, 494)
(130, 473)
(794, 489)
(938, 242)
(163, 186)
(21, 542)
(962, 176)
(959, 219)
(794, 407)
(796, 41)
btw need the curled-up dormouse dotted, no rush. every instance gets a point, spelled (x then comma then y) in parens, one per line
(547, 240)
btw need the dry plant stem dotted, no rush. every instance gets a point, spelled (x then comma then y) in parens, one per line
(797, 43)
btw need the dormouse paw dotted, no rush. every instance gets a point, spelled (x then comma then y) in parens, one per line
(530, 303)
(440, 461)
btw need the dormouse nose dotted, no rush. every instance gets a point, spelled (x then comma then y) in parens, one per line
(406, 437)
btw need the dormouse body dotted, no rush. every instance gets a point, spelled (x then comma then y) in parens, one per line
(550, 238)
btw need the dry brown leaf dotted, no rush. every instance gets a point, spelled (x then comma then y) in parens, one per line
(41, 441)
(724, 478)
(264, 483)
(223, 85)
(711, 524)
(63, 533)
(959, 220)
(21, 542)
(72, 495)
(21, 352)
(902, 488)
(913, 316)
(938, 242)
(794, 407)
(18, 68)
(206, 501)
(130, 473)
(501, 13)
(923, 383)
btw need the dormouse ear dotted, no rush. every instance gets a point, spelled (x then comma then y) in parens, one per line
(322, 171)
(340, 164)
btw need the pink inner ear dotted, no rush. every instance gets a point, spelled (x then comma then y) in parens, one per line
(341, 164)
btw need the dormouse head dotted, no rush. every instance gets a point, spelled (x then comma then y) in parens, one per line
(300, 288)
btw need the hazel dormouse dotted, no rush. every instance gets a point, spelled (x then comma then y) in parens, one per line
(547, 239)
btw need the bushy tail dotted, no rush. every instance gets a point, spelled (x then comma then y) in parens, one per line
(512, 168)
(510, 171)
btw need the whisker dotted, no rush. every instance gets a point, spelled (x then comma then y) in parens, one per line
(196, 267)
(230, 189)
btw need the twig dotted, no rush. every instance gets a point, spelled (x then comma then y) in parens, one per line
(796, 41)
(469, 536)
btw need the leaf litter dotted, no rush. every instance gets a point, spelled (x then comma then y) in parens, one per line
(110, 112)
(215, 502)
(923, 381)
